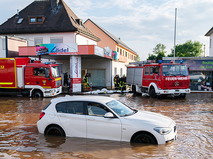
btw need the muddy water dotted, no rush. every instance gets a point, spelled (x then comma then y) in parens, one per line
(19, 137)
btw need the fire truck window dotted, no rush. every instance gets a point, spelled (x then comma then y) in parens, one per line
(47, 72)
(151, 70)
(146, 70)
(41, 72)
(157, 70)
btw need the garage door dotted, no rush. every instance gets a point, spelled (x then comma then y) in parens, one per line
(97, 77)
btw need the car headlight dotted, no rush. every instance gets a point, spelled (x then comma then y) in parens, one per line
(163, 131)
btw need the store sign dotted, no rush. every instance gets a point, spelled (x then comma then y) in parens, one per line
(99, 51)
(107, 51)
(200, 65)
(196, 65)
(59, 48)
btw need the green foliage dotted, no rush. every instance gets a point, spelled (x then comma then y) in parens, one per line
(138, 58)
(158, 52)
(188, 49)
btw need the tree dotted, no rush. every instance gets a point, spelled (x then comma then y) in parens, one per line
(158, 52)
(188, 49)
(138, 58)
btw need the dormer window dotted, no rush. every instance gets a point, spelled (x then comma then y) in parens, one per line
(36, 20)
(32, 20)
(39, 19)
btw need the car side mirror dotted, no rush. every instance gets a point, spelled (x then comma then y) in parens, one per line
(109, 115)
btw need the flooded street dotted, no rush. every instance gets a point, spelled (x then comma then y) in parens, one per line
(19, 137)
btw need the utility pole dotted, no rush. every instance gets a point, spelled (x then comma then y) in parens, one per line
(175, 32)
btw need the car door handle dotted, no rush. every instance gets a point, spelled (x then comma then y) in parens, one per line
(91, 119)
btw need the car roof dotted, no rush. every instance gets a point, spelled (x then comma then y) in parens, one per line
(100, 99)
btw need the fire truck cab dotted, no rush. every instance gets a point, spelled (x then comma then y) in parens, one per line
(159, 79)
(19, 76)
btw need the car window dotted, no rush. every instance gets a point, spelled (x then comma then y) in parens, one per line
(61, 107)
(70, 107)
(96, 109)
(75, 107)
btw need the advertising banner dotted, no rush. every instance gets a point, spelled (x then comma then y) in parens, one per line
(107, 51)
(75, 73)
(99, 51)
(59, 48)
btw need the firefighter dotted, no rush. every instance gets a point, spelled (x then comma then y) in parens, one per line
(66, 79)
(116, 81)
(86, 82)
(124, 82)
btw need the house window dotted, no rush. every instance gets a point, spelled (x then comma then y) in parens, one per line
(56, 40)
(39, 19)
(121, 71)
(117, 49)
(125, 53)
(120, 51)
(115, 70)
(36, 20)
(32, 20)
(38, 41)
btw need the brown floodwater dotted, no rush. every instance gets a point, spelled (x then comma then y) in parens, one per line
(19, 137)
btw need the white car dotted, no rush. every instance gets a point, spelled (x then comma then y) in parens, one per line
(105, 118)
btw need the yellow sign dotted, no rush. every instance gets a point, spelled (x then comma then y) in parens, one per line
(1, 66)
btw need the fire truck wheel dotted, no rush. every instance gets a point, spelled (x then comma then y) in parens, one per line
(152, 93)
(183, 95)
(37, 94)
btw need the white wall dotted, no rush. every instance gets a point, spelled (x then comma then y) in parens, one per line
(81, 40)
(118, 65)
(67, 37)
(2, 51)
(211, 45)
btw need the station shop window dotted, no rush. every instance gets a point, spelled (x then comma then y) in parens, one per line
(200, 80)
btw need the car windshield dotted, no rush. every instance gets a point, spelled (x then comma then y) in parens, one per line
(174, 70)
(120, 108)
(55, 71)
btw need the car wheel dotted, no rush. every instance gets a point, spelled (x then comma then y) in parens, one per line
(55, 131)
(152, 93)
(38, 94)
(144, 139)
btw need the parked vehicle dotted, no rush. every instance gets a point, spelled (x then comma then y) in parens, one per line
(19, 76)
(159, 79)
(105, 118)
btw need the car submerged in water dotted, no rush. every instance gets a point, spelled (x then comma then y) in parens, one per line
(99, 117)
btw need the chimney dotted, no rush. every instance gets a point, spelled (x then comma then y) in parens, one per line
(17, 15)
(54, 3)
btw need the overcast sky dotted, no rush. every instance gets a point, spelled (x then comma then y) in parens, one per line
(141, 24)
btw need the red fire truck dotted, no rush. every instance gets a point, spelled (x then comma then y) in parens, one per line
(159, 79)
(19, 76)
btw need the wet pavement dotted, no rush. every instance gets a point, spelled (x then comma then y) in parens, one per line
(19, 137)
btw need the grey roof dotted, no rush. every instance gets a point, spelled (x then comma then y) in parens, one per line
(114, 38)
(58, 19)
(209, 32)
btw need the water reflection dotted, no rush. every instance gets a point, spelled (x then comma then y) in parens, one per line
(19, 136)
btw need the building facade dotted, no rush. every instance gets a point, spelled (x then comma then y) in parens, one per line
(54, 33)
(123, 55)
(210, 34)
(200, 71)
